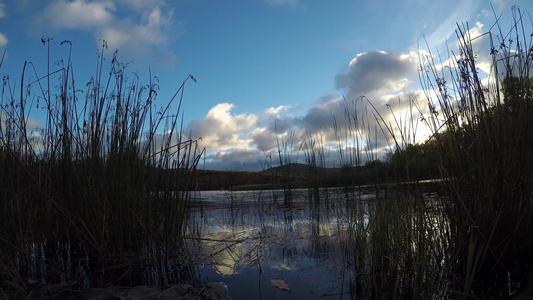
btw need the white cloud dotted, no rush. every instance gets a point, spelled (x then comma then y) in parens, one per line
(123, 34)
(487, 13)
(3, 40)
(231, 139)
(276, 110)
(79, 14)
(263, 139)
(2, 12)
(221, 130)
(277, 119)
(116, 37)
(151, 30)
(375, 73)
(384, 77)
(136, 28)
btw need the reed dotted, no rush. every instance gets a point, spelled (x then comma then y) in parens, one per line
(483, 128)
(315, 157)
(96, 195)
(395, 246)
(472, 240)
(469, 240)
(396, 236)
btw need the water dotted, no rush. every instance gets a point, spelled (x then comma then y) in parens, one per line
(375, 244)
(248, 239)
(306, 244)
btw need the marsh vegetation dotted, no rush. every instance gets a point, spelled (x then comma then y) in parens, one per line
(83, 199)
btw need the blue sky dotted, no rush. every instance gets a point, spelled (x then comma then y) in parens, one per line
(266, 69)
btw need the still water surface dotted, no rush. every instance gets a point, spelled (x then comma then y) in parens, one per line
(252, 241)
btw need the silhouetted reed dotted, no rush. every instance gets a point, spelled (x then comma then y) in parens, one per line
(483, 127)
(99, 193)
(472, 240)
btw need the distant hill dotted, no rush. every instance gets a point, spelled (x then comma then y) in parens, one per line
(225, 180)
(215, 180)
(297, 168)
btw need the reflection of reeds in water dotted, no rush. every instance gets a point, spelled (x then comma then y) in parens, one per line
(271, 236)
(96, 196)
(397, 247)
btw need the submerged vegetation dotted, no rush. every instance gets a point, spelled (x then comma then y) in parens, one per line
(98, 196)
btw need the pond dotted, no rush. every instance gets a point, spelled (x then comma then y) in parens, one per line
(262, 245)
(362, 243)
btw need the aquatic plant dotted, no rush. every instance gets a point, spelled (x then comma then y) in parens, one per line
(483, 129)
(472, 240)
(396, 236)
(96, 195)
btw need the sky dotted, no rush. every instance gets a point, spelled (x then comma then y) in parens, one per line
(269, 72)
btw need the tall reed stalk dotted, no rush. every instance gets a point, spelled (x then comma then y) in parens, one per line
(484, 127)
(473, 240)
(396, 237)
(96, 195)
(315, 158)
(285, 149)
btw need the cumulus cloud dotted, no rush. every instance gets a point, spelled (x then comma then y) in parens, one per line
(277, 119)
(348, 123)
(320, 117)
(381, 89)
(222, 130)
(140, 38)
(378, 72)
(389, 82)
(233, 141)
(144, 33)
(33, 128)
(79, 14)
(263, 139)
